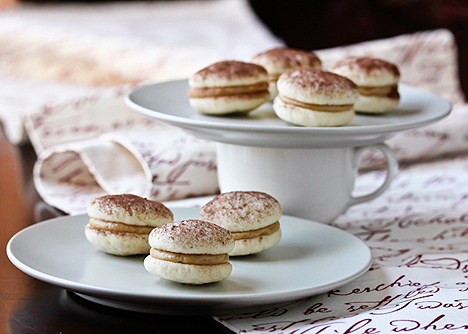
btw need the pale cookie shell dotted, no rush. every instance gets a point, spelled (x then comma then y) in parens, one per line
(122, 244)
(187, 273)
(256, 245)
(228, 104)
(192, 236)
(366, 71)
(242, 210)
(129, 209)
(315, 86)
(376, 104)
(307, 117)
(228, 73)
(280, 60)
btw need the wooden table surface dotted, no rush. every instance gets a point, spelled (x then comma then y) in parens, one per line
(31, 306)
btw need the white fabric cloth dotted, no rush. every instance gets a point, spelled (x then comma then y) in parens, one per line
(417, 232)
(163, 166)
(75, 63)
(114, 44)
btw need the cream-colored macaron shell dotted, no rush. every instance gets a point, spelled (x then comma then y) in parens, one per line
(228, 73)
(129, 209)
(279, 60)
(256, 245)
(376, 104)
(192, 236)
(240, 211)
(312, 118)
(221, 105)
(315, 86)
(122, 244)
(367, 71)
(187, 273)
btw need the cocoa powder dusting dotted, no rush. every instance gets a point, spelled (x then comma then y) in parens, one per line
(194, 232)
(240, 206)
(132, 204)
(229, 70)
(368, 65)
(318, 80)
(288, 58)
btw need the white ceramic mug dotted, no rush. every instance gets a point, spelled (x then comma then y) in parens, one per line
(316, 184)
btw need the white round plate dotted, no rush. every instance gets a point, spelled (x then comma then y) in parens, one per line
(310, 259)
(168, 102)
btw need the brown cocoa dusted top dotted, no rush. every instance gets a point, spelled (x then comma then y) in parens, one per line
(192, 236)
(240, 211)
(279, 60)
(129, 209)
(367, 71)
(369, 65)
(316, 86)
(228, 73)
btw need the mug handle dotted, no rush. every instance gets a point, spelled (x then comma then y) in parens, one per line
(392, 168)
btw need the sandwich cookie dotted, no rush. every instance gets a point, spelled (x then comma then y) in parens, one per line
(279, 60)
(121, 224)
(190, 251)
(251, 217)
(228, 87)
(313, 97)
(377, 80)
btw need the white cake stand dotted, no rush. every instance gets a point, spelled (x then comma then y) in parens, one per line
(253, 142)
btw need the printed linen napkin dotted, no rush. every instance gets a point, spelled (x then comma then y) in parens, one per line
(418, 235)
(107, 148)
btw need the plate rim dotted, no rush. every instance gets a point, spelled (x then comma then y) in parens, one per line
(377, 129)
(209, 300)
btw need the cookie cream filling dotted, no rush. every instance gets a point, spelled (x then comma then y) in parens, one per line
(199, 259)
(261, 87)
(273, 77)
(378, 90)
(267, 230)
(98, 224)
(316, 107)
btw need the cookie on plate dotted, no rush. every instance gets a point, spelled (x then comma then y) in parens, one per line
(377, 80)
(190, 251)
(228, 87)
(313, 97)
(121, 224)
(252, 218)
(279, 60)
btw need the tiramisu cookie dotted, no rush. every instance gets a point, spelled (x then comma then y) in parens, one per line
(377, 80)
(279, 60)
(312, 97)
(251, 217)
(228, 87)
(190, 251)
(120, 224)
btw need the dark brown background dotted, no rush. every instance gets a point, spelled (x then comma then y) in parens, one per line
(319, 24)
